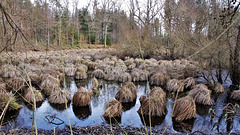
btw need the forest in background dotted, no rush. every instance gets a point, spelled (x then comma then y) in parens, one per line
(203, 30)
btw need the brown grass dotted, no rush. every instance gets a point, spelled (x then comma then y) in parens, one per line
(35, 79)
(201, 94)
(81, 73)
(3, 87)
(159, 79)
(113, 109)
(70, 71)
(15, 84)
(98, 73)
(216, 87)
(94, 84)
(175, 85)
(156, 102)
(29, 96)
(128, 93)
(185, 109)
(5, 97)
(49, 84)
(82, 97)
(235, 95)
(59, 96)
(125, 77)
(189, 83)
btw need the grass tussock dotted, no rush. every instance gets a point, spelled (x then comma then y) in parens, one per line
(159, 79)
(125, 77)
(216, 87)
(156, 102)
(30, 97)
(94, 83)
(15, 84)
(127, 93)
(49, 84)
(185, 109)
(98, 73)
(59, 97)
(82, 97)
(81, 73)
(35, 79)
(235, 95)
(201, 94)
(175, 85)
(3, 87)
(189, 83)
(6, 97)
(113, 109)
(70, 71)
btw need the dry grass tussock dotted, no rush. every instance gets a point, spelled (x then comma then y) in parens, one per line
(201, 94)
(128, 93)
(30, 97)
(81, 73)
(98, 73)
(70, 71)
(175, 85)
(139, 75)
(8, 71)
(185, 108)
(59, 97)
(49, 84)
(235, 95)
(124, 77)
(113, 109)
(156, 102)
(6, 97)
(189, 83)
(35, 79)
(216, 87)
(15, 84)
(3, 87)
(82, 97)
(159, 79)
(94, 84)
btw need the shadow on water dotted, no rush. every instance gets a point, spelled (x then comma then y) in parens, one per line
(156, 120)
(183, 126)
(82, 113)
(128, 106)
(60, 107)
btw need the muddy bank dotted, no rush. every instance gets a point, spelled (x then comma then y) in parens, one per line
(99, 130)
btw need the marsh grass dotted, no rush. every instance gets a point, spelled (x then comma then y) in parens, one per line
(127, 93)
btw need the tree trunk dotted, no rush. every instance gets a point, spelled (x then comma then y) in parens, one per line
(235, 64)
(105, 38)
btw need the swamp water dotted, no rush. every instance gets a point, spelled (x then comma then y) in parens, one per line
(210, 119)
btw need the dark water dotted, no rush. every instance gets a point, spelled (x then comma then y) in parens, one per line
(210, 119)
